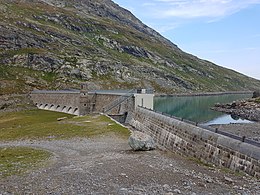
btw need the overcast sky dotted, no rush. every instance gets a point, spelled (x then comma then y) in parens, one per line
(226, 32)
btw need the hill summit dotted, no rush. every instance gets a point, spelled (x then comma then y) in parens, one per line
(53, 44)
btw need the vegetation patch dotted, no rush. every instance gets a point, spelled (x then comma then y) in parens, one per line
(40, 124)
(17, 160)
(21, 80)
(257, 100)
(200, 162)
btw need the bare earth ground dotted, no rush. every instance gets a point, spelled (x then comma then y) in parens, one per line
(106, 165)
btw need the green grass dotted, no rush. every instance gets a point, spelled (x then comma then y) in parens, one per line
(200, 162)
(23, 51)
(15, 79)
(229, 171)
(39, 124)
(17, 160)
(49, 76)
(257, 100)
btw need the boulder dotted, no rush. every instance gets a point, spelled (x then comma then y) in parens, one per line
(141, 141)
(256, 94)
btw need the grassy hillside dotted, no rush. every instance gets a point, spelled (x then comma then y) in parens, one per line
(58, 44)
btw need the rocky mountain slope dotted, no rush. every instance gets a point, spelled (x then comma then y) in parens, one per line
(55, 44)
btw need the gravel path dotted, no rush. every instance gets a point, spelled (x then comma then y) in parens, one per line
(106, 165)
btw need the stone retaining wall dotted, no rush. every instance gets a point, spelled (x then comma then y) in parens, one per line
(193, 141)
(79, 103)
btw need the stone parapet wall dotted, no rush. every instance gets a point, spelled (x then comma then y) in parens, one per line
(193, 141)
(71, 99)
(61, 102)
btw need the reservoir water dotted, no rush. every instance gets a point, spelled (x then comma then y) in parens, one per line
(197, 108)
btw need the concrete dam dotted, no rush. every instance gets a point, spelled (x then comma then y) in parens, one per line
(136, 107)
(82, 102)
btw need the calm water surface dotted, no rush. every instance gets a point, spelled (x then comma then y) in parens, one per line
(197, 108)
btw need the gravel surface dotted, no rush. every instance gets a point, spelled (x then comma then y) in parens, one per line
(106, 165)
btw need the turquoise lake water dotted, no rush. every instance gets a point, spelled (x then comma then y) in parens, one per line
(197, 108)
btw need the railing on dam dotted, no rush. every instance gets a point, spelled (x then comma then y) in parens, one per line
(119, 100)
(215, 130)
(68, 91)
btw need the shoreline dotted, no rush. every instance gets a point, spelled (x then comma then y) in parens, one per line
(246, 109)
(204, 94)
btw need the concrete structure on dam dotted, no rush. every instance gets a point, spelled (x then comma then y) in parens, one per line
(82, 102)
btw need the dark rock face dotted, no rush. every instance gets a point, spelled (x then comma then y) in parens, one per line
(99, 42)
(256, 94)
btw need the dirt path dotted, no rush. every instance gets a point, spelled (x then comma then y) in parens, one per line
(106, 165)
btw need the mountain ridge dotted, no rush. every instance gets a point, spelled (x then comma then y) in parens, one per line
(54, 44)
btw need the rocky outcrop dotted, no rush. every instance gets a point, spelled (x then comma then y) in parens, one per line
(14, 103)
(141, 141)
(256, 94)
(246, 109)
(103, 44)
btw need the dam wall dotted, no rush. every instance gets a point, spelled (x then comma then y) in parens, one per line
(82, 102)
(60, 101)
(76, 103)
(193, 141)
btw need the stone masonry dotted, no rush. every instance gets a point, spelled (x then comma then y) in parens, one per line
(197, 142)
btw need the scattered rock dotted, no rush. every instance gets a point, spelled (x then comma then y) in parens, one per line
(141, 141)
(169, 193)
(62, 118)
(123, 190)
(228, 180)
(166, 188)
(177, 191)
(76, 73)
(124, 175)
(202, 185)
(209, 180)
